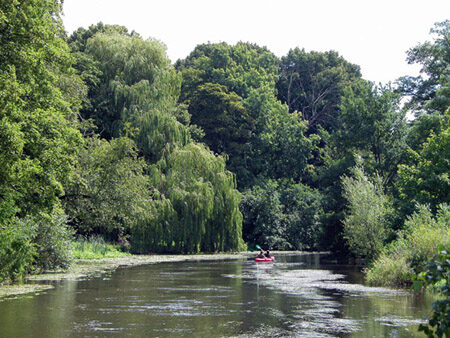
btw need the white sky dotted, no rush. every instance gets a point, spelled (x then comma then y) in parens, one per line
(373, 34)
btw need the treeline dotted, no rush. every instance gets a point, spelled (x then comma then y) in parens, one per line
(101, 135)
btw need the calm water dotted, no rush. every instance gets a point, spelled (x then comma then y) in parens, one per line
(299, 295)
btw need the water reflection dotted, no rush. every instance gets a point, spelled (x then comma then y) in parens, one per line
(296, 296)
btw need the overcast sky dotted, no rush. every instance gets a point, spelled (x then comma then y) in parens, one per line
(373, 34)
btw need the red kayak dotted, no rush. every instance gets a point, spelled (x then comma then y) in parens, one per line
(265, 259)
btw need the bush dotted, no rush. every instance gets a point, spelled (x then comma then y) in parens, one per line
(437, 273)
(417, 244)
(17, 251)
(40, 242)
(389, 270)
(365, 223)
(52, 239)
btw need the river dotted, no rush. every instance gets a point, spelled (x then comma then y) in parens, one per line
(301, 295)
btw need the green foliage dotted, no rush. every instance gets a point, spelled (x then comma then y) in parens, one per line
(17, 251)
(426, 179)
(436, 272)
(236, 86)
(389, 270)
(282, 215)
(130, 76)
(313, 83)
(417, 244)
(263, 217)
(52, 239)
(226, 123)
(37, 142)
(132, 84)
(421, 129)
(95, 247)
(109, 193)
(303, 214)
(196, 205)
(38, 242)
(373, 125)
(158, 133)
(430, 92)
(365, 222)
(241, 68)
(284, 150)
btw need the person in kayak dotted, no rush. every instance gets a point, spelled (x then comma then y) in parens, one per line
(261, 254)
(268, 254)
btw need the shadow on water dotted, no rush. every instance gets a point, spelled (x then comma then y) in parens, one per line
(299, 295)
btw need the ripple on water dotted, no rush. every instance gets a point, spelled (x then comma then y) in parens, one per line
(267, 331)
(399, 321)
(318, 312)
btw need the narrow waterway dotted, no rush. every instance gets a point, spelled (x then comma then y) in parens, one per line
(300, 295)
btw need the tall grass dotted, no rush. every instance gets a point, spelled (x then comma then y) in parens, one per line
(95, 248)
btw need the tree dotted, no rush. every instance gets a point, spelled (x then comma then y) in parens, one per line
(437, 273)
(39, 139)
(228, 82)
(263, 216)
(38, 143)
(196, 205)
(226, 123)
(313, 83)
(430, 91)
(236, 85)
(129, 79)
(365, 222)
(425, 179)
(374, 124)
(283, 150)
(109, 193)
(279, 214)
(241, 68)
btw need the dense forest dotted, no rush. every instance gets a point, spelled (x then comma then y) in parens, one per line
(100, 134)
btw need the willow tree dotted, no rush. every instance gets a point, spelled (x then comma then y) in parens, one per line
(196, 205)
(133, 87)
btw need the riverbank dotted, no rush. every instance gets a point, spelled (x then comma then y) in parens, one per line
(87, 268)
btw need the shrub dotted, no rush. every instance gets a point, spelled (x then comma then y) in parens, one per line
(417, 244)
(365, 223)
(17, 251)
(52, 239)
(437, 273)
(389, 270)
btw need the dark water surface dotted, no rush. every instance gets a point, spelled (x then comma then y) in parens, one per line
(299, 295)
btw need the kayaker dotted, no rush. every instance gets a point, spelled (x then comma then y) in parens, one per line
(268, 254)
(261, 254)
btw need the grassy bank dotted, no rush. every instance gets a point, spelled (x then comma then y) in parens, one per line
(96, 248)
